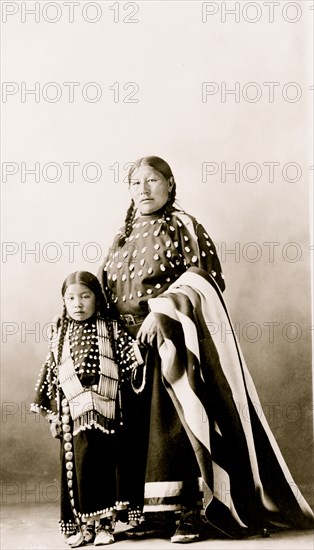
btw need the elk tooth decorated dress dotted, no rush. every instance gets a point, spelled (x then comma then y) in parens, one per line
(184, 442)
(158, 250)
(156, 253)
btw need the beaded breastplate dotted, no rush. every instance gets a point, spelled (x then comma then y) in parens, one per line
(94, 404)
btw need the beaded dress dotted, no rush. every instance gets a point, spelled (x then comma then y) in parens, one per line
(83, 391)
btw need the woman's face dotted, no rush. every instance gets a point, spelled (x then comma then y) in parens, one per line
(149, 189)
(80, 302)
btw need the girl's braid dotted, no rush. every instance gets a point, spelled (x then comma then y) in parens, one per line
(109, 325)
(103, 312)
(64, 325)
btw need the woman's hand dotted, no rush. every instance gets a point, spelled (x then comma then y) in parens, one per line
(148, 330)
(55, 426)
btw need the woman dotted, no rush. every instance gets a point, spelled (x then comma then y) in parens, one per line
(185, 446)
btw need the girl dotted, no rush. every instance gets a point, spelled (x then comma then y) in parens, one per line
(78, 392)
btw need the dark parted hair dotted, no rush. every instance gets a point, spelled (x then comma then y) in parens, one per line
(91, 281)
(163, 168)
(88, 279)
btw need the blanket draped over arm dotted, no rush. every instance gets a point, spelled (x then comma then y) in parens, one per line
(246, 481)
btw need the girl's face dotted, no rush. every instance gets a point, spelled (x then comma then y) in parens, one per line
(149, 189)
(80, 302)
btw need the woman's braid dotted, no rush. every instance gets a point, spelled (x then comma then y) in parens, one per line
(129, 218)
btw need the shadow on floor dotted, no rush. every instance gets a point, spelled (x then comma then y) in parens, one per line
(31, 527)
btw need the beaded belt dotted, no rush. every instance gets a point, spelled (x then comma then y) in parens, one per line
(130, 319)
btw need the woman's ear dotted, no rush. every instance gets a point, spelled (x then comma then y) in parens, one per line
(171, 182)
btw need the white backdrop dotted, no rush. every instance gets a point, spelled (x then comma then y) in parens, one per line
(221, 91)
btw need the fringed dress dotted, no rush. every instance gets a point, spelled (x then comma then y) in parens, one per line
(83, 391)
(166, 461)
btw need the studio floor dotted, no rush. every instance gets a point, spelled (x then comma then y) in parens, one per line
(31, 527)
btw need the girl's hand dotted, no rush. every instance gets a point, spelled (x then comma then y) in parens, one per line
(55, 427)
(148, 330)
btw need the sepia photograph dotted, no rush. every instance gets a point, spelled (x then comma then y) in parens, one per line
(157, 274)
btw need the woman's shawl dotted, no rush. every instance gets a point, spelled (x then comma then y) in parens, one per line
(246, 482)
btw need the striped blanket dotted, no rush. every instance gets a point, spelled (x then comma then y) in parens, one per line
(246, 482)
